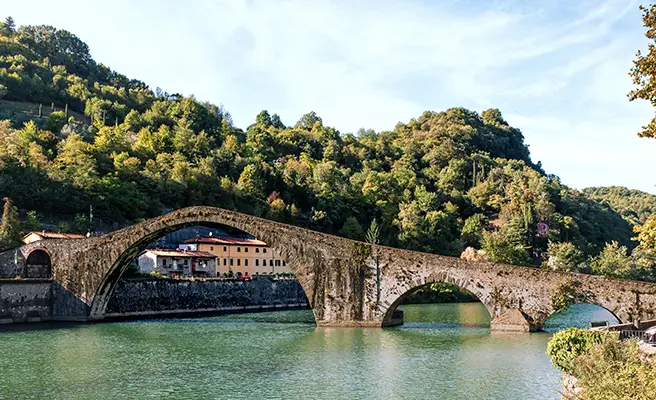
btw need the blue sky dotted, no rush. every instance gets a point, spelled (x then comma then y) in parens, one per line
(558, 70)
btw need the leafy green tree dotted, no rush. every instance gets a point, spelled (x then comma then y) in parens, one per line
(502, 249)
(564, 257)
(473, 229)
(251, 180)
(276, 122)
(373, 232)
(647, 235)
(264, 119)
(644, 69)
(352, 229)
(81, 223)
(55, 121)
(613, 261)
(308, 120)
(565, 347)
(10, 229)
(7, 28)
(32, 222)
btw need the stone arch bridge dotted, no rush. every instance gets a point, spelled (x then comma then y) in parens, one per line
(347, 283)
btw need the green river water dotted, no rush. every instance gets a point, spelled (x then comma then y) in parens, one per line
(443, 351)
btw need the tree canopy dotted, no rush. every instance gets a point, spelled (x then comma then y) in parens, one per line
(644, 69)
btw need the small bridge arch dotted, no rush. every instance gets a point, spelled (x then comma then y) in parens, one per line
(38, 264)
(470, 285)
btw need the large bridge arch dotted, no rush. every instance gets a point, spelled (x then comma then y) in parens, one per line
(137, 237)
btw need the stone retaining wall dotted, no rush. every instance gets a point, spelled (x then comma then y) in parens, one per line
(25, 300)
(38, 300)
(149, 297)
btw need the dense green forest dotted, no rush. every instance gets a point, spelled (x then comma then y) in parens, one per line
(75, 133)
(634, 206)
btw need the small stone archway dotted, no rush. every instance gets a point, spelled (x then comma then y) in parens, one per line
(393, 317)
(38, 264)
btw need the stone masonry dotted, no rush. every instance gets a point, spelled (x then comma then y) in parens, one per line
(347, 283)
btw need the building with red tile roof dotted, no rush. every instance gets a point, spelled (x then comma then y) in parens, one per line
(36, 236)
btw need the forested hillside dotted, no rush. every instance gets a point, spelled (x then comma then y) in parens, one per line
(633, 205)
(440, 182)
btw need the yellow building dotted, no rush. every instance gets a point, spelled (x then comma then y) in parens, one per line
(242, 256)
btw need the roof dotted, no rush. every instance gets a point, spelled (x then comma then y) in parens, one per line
(227, 240)
(55, 235)
(180, 253)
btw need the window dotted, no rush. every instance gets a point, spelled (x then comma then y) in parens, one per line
(225, 248)
(257, 262)
(231, 260)
(239, 262)
(246, 263)
(277, 263)
(245, 249)
(257, 249)
(263, 250)
(238, 249)
(211, 248)
(264, 263)
(283, 263)
(185, 262)
(163, 262)
(225, 261)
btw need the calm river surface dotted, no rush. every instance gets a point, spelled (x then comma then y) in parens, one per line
(283, 355)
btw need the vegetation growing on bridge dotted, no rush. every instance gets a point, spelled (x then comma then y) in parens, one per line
(438, 183)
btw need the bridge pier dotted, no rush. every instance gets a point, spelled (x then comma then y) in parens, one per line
(514, 320)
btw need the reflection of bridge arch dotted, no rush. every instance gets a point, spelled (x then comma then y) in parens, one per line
(38, 264)
(347, 283)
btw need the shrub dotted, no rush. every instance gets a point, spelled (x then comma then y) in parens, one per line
(55, 121)
(615, 370)
(155, 274)
(565, 346)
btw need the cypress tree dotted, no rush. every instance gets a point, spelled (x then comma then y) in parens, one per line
(66, 110)
(40, 110)
(52, 106)
(10, 230)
